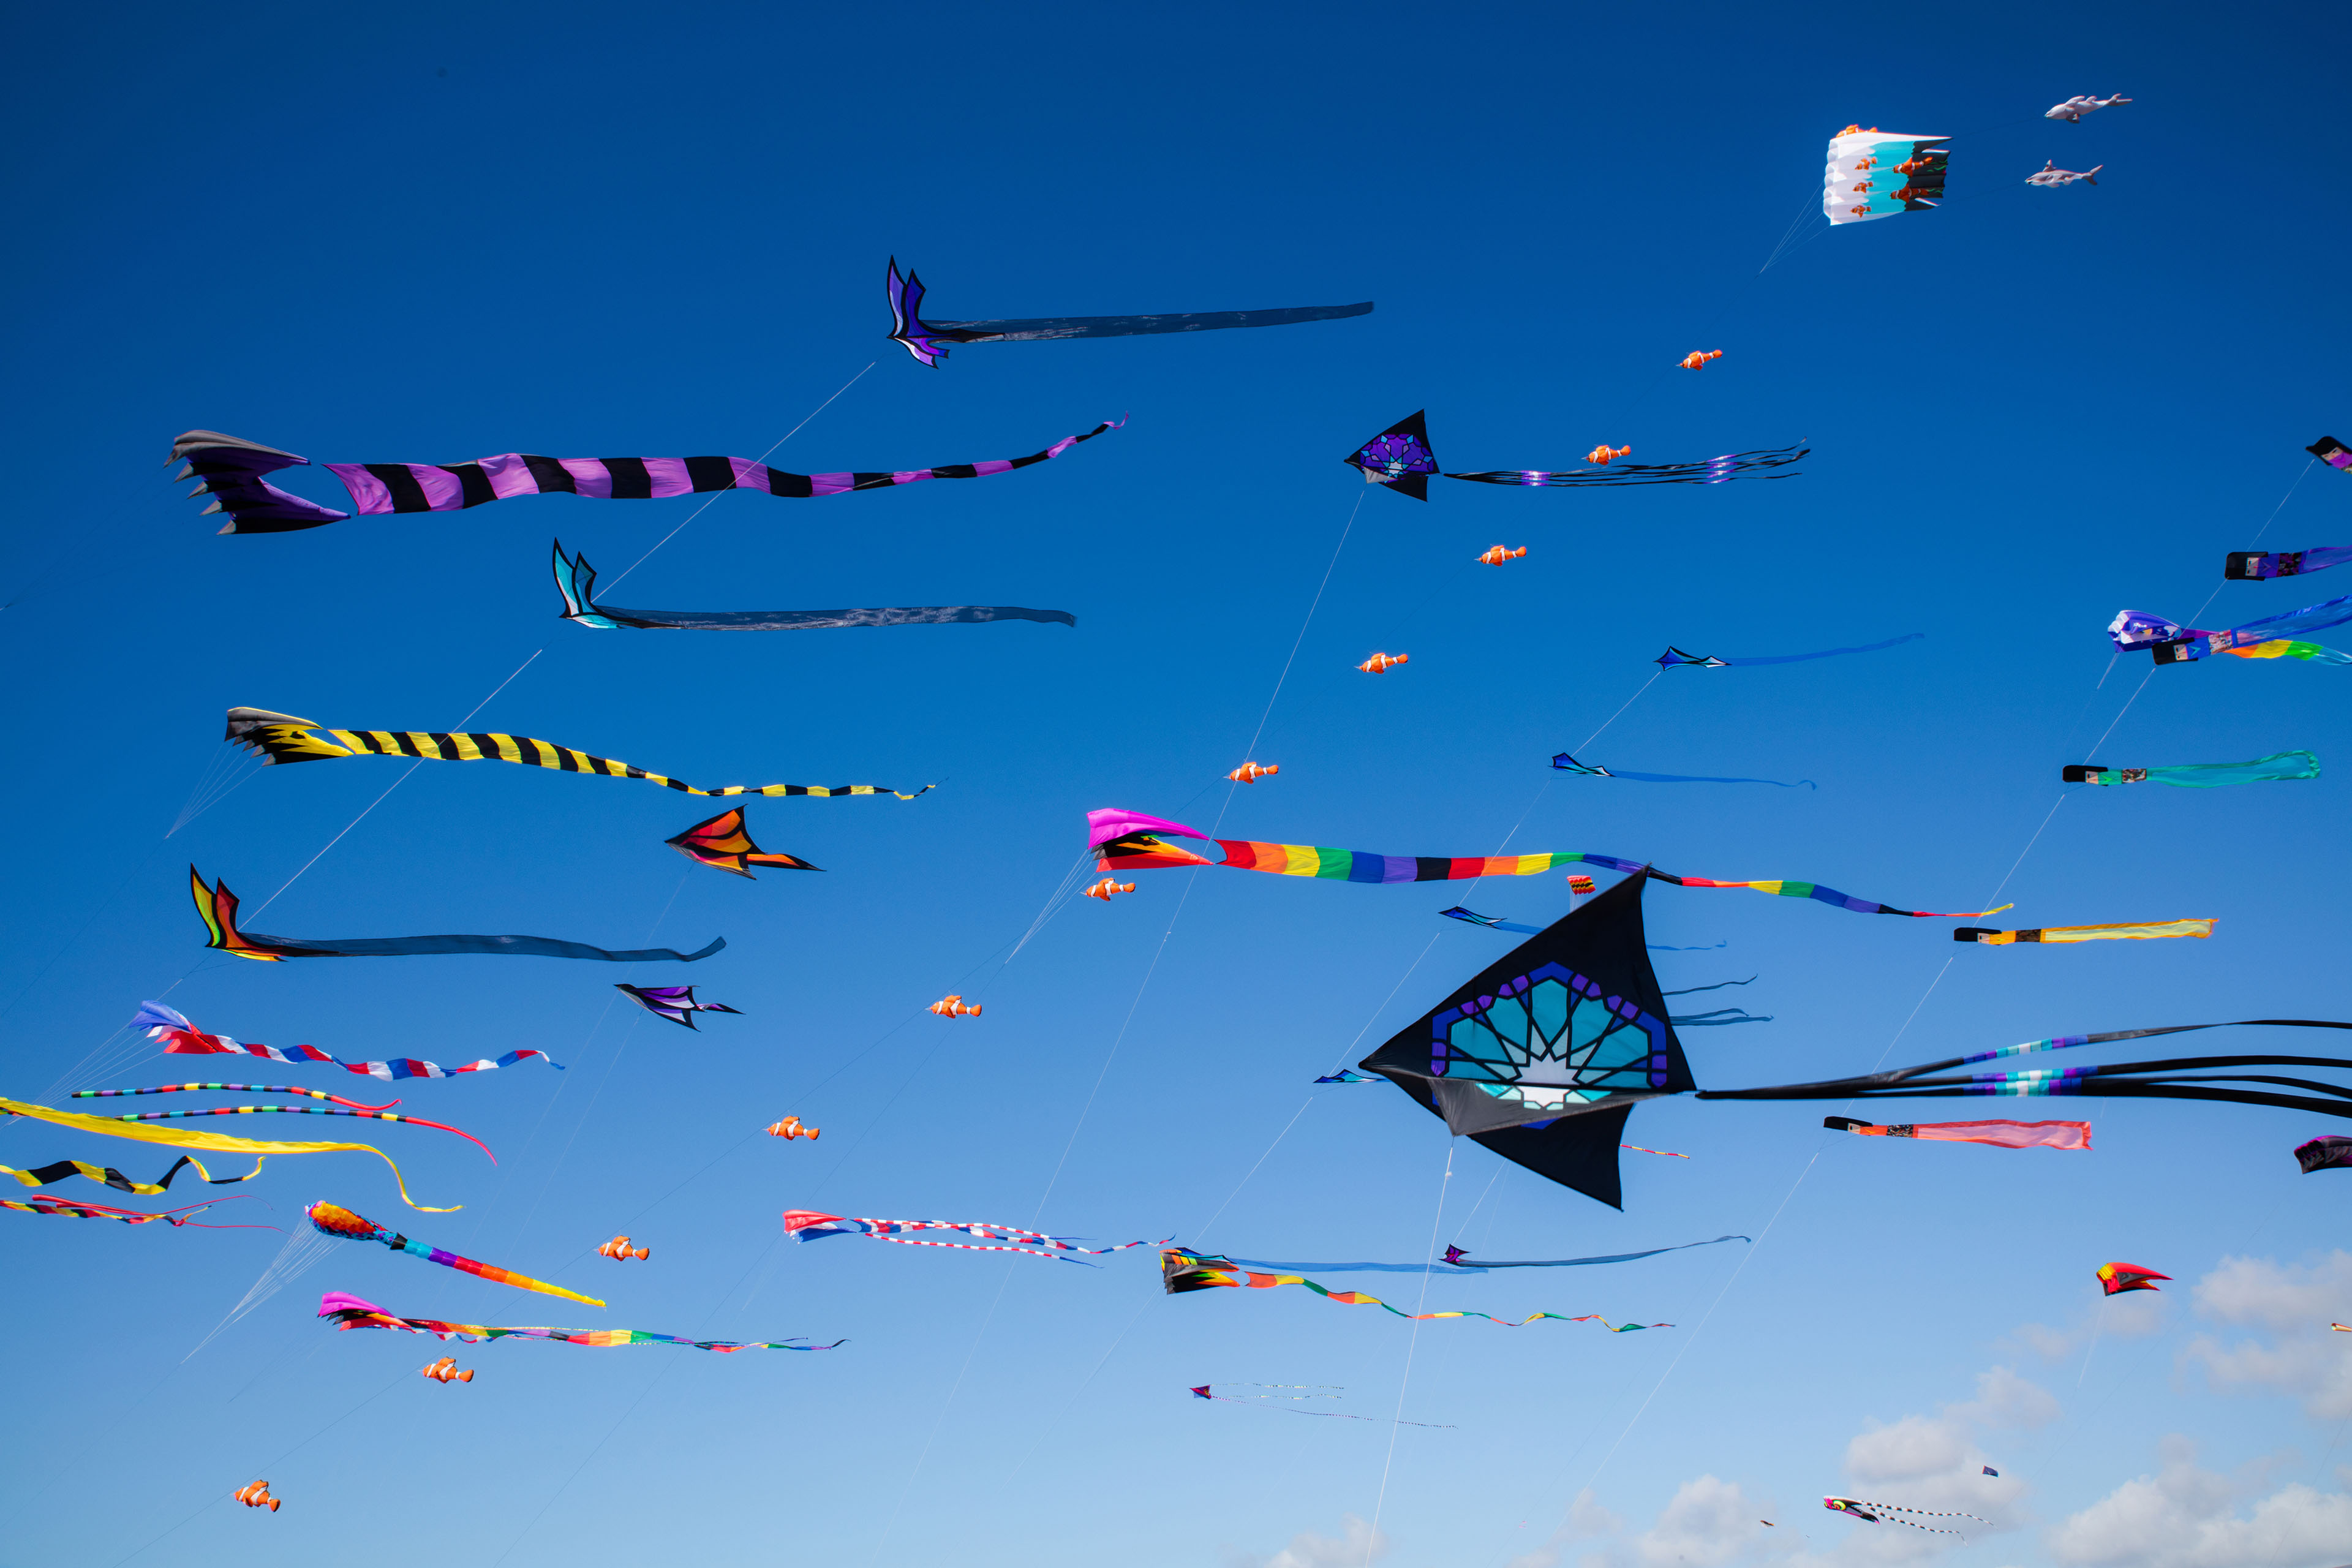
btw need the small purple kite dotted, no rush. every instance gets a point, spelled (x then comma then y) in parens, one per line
(675, 1002)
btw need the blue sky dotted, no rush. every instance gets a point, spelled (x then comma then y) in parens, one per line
(448, 231)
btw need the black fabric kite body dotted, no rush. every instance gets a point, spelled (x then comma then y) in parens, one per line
(1543, 1054)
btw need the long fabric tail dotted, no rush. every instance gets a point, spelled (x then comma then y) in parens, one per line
(1184, 1271)
(278, 738)
(230, 468)
(349, 1311)
(58, 1170)
(216, 1142)
(177, 1036)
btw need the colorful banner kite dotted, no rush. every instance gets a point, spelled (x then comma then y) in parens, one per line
(218, 905)
(2170, 642)
(349, 1312)
(178, 1037)
(806, 1224)
(229, 470)
(278, 738)
(214, 1143)
(1181, 1271)
(1399, 459)
(332, 1219)
(576, 581)
(1999, 1134)
(2278, 767)
(1125, 840)
(922, 339)
(2145, 931)
(1885, 1512)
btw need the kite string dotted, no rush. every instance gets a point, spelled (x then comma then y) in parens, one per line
(1412, 1342)
(395, 784)
(763, 458)
(1300, 639)
(1620, 711)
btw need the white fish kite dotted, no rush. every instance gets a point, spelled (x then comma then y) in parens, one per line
(2074, 109)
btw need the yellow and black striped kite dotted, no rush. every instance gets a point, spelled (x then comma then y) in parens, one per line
(282, 738)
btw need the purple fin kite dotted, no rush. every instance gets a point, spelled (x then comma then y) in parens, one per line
(229, 470)
(1399, 458)
(924, 339)
(675, 1002)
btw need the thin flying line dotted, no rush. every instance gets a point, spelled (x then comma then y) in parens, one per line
(2124, 709)
(763, 458)
(1620, 711)
(1301, 638)
(379, 800)
(1404, 1384)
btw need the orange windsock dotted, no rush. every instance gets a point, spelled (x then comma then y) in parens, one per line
(1103, 891)
(1381, 663)
(1250, 773)
(1579, 884)
(1605, 454)
(1695, 359)
(954, 1006)
(790, 1127)
(618, 1247)
(1494, 554)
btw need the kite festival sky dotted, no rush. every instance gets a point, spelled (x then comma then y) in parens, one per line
(435, 232)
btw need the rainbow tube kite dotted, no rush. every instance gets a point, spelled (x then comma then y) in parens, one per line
(1126, 840)
(349, 1312)
(1181, 1271)
(2142, 932)
(180, 1038)
(1999, 1134)
(229, 470)
(329, 1220)
(215, 1142)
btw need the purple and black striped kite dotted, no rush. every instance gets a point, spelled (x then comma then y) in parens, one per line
(229, 470)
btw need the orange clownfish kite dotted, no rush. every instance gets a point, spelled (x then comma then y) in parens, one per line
(1381, 663)
(619, 1248)
(446, 1371)
(1103, 891)
(256, 1494)
(1695, 359)
(1250, 773)
(1494, 554)
(790, 1127)
(954, 1006)
(1605, 454)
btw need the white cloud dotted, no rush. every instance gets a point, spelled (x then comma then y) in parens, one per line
(2184, 1517)
(1357, 1544)
(1586, 1518)
(1706, 1523)
(2295, 1304)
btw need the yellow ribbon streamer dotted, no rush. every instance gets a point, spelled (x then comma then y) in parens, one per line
(219, 1142)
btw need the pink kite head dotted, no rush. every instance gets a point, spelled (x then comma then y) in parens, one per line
(335, 1301)
(1116, 822)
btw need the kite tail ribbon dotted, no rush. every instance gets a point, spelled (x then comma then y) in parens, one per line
(806, 1224)
(332, 1219)
(219, 1142)
(1184, 1271)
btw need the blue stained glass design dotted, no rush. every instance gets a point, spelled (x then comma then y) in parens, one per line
(1551, 1039)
